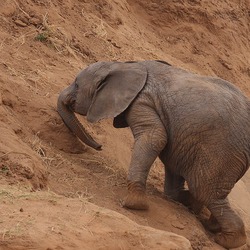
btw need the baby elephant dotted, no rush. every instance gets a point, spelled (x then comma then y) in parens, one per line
(198, 126)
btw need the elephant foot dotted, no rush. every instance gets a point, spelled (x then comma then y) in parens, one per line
(231, 240)
(212, 224)
(136, 198)
(232, 233)
(135, 201)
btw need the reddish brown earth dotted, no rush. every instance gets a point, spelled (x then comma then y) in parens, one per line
(58, 194)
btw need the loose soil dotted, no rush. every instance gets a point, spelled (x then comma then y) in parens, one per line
(57, 193)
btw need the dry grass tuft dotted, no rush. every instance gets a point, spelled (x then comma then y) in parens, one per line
(57, 38)
(40, 149)
(45, 32)
(13, 193)
(100, 30)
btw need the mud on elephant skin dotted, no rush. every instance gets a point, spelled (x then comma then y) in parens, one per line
(198, 126)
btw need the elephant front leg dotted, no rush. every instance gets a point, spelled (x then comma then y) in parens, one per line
(232, 233)
(148, 144)
(136, 197)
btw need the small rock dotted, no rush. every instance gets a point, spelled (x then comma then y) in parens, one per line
(24, 19)
(21, 210)
(226, 64)
(178, 225)
(32, 13)
(154, 7)
(20, 23)
(116, 45)
(35, 21)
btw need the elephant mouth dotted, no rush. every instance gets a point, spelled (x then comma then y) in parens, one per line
(66, 106)
(72, 105)
(70, 102)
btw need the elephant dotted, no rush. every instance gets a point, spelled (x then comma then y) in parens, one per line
(199, 127)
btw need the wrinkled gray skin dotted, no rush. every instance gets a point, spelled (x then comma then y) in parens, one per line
(198, 126)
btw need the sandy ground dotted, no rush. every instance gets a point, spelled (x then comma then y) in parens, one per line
(55, 192)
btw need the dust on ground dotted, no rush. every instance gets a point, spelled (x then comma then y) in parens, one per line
(55, 192)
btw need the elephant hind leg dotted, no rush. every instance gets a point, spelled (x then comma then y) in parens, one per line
(174, 185)
(174, 189)
(212, 224)
(232, 233)
(188, 200)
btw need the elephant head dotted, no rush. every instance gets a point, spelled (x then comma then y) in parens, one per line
(102, 90)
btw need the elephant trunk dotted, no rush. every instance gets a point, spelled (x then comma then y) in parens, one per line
(72, 122)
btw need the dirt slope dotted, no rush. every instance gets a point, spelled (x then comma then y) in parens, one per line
(43, 46)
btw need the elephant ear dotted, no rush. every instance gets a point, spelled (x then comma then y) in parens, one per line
(117, 90)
